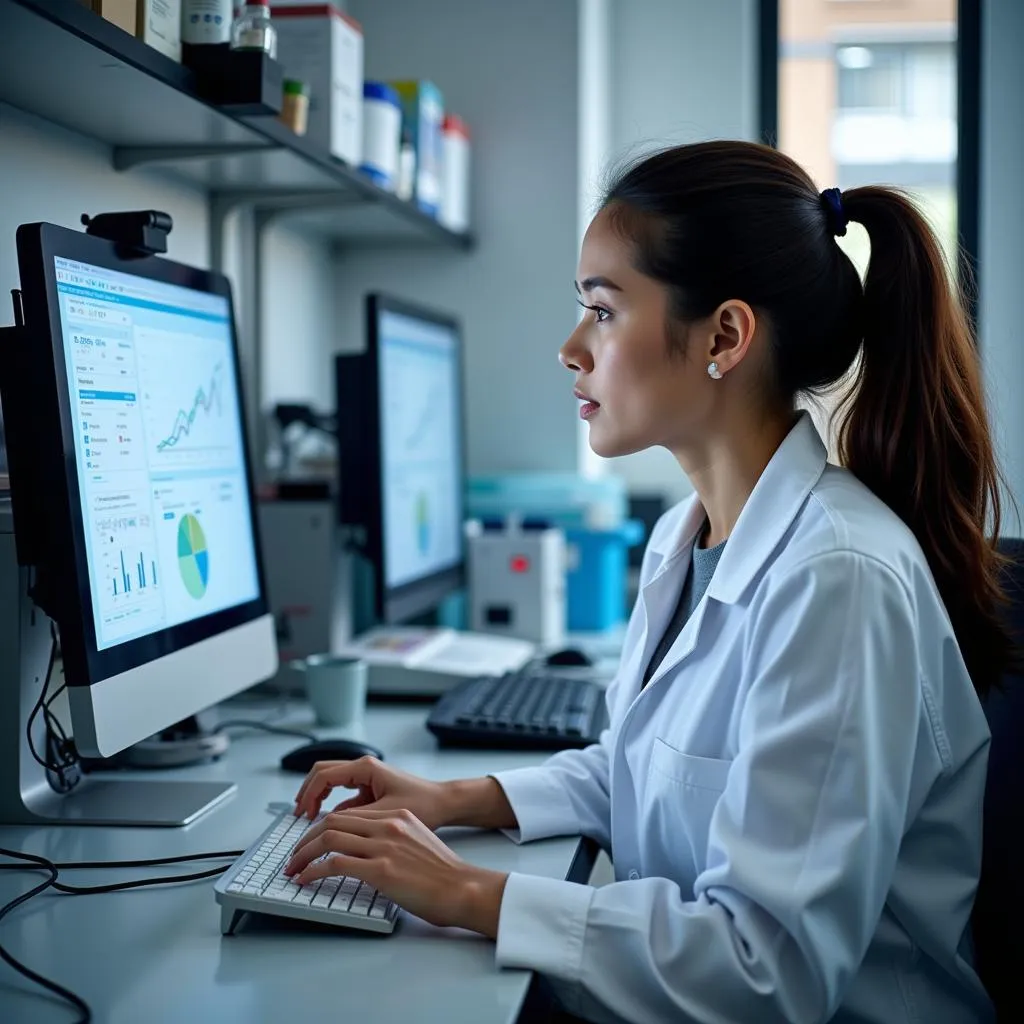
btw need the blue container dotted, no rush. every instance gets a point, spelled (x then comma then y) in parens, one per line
(596, 581)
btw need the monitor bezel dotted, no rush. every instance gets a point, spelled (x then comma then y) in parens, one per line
(362, 507)
(85, 665)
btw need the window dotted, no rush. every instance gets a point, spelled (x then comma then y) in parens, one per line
(867, 95)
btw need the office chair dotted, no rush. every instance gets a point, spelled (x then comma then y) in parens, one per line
(998, 918)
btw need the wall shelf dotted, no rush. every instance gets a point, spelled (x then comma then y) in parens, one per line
(61, 62)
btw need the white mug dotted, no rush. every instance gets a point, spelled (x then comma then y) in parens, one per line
(336, 687)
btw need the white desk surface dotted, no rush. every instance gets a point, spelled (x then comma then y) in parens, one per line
(157, 955)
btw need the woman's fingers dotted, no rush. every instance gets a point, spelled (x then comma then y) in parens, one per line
(328, 842)
(334, 865)
(327, 775)
(341, 824)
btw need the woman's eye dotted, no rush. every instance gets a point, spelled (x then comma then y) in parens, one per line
(600, 313)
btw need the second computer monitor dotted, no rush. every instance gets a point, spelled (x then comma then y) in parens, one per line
(401, 453)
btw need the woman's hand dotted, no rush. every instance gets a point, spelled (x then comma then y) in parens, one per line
(381, 788)
(395, 852)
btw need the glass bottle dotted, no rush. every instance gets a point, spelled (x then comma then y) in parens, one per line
(252, 29)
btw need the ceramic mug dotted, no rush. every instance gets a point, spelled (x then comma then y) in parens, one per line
(336, 687)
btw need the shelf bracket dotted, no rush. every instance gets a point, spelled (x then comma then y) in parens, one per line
(126, 157)
(274, 203)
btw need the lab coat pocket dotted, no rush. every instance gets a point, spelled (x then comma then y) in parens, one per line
(683, 791)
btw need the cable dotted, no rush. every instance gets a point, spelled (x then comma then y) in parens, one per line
(41, 701)
(242, 723)
(54, 869)
(66, 994)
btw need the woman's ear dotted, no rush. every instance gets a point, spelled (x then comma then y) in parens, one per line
(732, 327)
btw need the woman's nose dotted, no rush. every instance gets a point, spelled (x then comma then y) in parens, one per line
(573, 354)
(567, 360)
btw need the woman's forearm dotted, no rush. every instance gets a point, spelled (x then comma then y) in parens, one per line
(480, 803)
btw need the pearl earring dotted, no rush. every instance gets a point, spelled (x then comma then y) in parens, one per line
(714, 372)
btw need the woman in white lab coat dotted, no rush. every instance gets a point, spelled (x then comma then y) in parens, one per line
(791, 784)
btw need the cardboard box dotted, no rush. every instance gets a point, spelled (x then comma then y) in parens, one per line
(158, 24)
(422, 118)
(121, 13)
(322, 47)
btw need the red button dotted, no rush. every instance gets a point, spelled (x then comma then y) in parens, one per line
(519, 563)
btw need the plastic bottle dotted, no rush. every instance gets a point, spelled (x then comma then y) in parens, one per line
(406, 167)
(253, 29)
(454, 212)
(382, 128)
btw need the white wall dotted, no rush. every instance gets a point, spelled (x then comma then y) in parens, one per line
(681, 71)
(511, 71)
(50, 174)
(298, 320)
(1001, 257)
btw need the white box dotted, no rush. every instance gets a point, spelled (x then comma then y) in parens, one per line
(324, 48)
(517, 584)
(158, 24)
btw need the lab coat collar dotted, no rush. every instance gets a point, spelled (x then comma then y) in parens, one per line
(773, 504)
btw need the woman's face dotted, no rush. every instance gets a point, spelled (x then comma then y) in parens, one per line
(634, 393)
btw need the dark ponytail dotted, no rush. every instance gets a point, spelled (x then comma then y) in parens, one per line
(915, 429)
(724, 220)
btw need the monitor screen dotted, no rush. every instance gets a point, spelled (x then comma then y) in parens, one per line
(421, 447)
(159, 450)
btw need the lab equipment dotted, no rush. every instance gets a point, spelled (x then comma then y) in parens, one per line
(422, 117)
(598, 535)
(302, 759)
(133, 520)
(382, 130)
(517, 581)
(455, 164)
(295, 106)
(252, 28)
(158, 24)
(205, 23)
(323, 47)
(531, 709)
(256, 883)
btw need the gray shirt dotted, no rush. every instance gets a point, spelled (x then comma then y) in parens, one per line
(703, 562)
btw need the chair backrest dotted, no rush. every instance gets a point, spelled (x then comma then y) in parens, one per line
(998, 918)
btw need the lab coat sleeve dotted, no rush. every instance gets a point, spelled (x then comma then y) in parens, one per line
(802, 842)
(568, 795)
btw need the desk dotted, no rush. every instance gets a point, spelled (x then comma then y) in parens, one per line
(157, 954)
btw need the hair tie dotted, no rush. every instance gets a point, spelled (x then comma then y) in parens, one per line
(832, 201)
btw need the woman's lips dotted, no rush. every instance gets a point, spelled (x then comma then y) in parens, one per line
(589, 406)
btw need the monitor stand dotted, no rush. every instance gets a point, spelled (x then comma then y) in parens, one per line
(26, 795)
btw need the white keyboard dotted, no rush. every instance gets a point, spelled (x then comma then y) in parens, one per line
(255, 883)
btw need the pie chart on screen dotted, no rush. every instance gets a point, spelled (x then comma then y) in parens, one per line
(193, 558)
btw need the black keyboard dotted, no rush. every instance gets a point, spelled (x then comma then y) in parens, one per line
(526, 710)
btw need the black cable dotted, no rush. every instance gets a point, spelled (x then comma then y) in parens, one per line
(283, 730)
(41, 702)
(23, 969)
(77, 890)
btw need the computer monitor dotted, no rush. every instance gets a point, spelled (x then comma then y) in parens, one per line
(131, 485)
(401, 455)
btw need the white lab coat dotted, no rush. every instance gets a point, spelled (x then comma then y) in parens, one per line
(793, 804)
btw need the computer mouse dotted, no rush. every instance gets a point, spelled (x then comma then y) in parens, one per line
(568, 656)
(302, 759)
